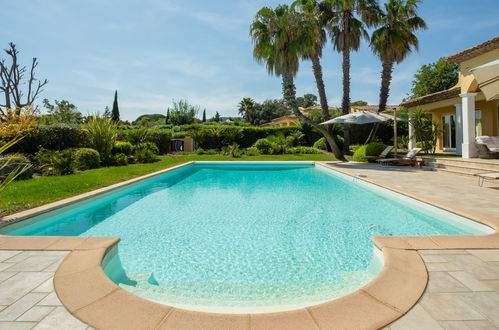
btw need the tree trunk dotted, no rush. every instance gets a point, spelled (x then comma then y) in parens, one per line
(317, 69)
(386, 78)
(345, 104)
(289, 93)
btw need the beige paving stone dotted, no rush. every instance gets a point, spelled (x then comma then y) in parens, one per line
(417, 318)
(443, 282)
(53, 267)
(2, 307)
(434, 258)
(485, 302)
(60, 318)
(5, 275)
(480, 325)
(17, 258)
(20, 306)
(50, 300)
(35, 263)
(494, 284)
(47, 286)
(449, 307)
(455, 325)
(480, 269)
(442, 267)
(36, 313)
(18, 285)
(5, 265)
(16, 325)
(486, 254)
(470, 281)
(444, 252)
(61, 254)
(4, 255)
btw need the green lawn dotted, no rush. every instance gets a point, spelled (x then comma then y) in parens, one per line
(21, 195)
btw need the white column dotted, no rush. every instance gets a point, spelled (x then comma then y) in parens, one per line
(412, 138)
(468, 124)
(459, 129)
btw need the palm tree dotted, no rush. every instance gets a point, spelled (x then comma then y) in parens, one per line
(346, 32)
(247, 109)
(279, 42)
(395, 39)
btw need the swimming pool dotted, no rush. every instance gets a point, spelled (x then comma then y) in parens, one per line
(246, 237)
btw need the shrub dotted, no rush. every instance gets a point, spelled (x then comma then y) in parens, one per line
(148, 145)
(14, 162)
(210, 152)
(120, 159)
(62, 162)
(251, 151)
(86, 159)
(102, 134)
(123, 147)
(278, 143)
(136, 136)
(371, 149)
(233, 151)
(161, 138)
(200, 151)
(320, 144)
(264, 146)
(303, 150)
(294, 139)
(143, 154)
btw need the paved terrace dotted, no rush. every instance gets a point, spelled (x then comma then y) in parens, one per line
(462, 291)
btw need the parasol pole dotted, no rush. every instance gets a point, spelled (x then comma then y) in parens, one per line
(395, 144)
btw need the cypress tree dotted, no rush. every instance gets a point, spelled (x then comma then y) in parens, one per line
(115, 113)
(167, 119)
(217, 117)
(204, 116)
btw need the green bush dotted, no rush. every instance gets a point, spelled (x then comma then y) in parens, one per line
(251, 151)
(148, 145)
(143, 154)
(264, 146)
(210, 152)
(62, 162)
(120, 159)
(56, 137)
(86, 159)
(162, 140)
(303, 150)
(371, 149)
(123, 147)
(200, 151)
(11, 162)
(320, 144)
(232, 150)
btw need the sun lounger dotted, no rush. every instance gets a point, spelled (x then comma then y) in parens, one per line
(408, 159)
(487, 176)
(382, 155)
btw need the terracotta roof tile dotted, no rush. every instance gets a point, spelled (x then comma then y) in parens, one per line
(474, 51)
(434, 97)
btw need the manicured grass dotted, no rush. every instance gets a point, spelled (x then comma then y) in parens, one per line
(21, 195)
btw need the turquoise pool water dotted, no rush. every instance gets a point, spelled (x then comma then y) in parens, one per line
(216, 236)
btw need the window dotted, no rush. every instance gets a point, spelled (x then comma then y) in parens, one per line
(478, 122)
(449, 132)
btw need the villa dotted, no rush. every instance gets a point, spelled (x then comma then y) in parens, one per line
(471, 108)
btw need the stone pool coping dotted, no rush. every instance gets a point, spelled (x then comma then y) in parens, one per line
(86, 291)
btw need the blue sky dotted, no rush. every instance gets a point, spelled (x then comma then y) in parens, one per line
(153, 51)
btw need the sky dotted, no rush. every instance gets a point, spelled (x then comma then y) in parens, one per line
(157, 51)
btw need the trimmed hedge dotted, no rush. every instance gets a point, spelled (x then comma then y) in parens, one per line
(371, 149)
(58, 137)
